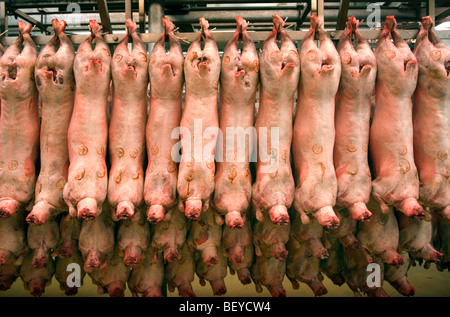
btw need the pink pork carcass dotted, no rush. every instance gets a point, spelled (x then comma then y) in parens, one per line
(166, 82)
(87, 182)
(55, 83)
(238, 85)
(273, 190)
(199, 124)
(127, 124)
(391, 132)
(352, 122)
(314, 130)
(19, 123)
(431, 119)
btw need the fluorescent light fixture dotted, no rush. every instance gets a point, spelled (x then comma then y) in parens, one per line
(443, 26)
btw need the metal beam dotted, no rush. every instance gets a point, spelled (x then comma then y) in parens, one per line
(3, 17)
(104, 16)
(128, 10)
(155, 15)
(442, 15)
(431, 10)
(142, 16)
(320, 10)
(222, 37)
(29, 19)
(305, 13)
(342, 15)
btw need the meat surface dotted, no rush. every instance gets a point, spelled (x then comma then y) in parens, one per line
(314, 130)
(133, 238)
(166, 82)
(391, 132)
(397, 276)
(13, 244)
(43, 239)
(96, 241)
(431, 119)
(239, 250)
(199, 124)
(269, 272)
(269, 239)
(170, 235)
(215, 275)
(415, 237)
(19, 123)
(239, 79)
(205, 237)
(127, 124)
(180, 274)
(113, 279)
(301, 266)
(147, 277)
(62, 272)
(273, 190)
(34, 279)
(55, 83)
(380, 235)
(87, 182)
(310, 234)
(352, 122)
